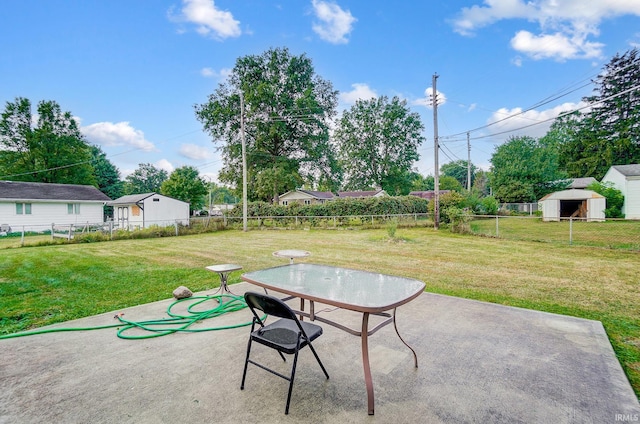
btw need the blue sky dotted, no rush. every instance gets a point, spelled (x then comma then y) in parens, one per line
(131, 71)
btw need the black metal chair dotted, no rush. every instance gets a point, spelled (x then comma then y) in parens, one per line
(287, 335)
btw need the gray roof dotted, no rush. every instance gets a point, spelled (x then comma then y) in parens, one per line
(319, 194)
(582, 182)
(628, 170)
(16, 190)
(131, 199)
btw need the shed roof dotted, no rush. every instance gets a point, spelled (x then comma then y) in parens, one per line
(18, 190)
(131, 199)
(632, 170)
(572, 194)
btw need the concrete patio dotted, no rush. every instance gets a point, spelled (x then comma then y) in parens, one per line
(478, 363)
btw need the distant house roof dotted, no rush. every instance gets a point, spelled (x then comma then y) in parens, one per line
(318, 194)
(582, 182)
(628, 170)
(427, 194)
(358, 194)
(17, 190)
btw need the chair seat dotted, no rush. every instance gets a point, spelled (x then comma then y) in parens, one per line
(283, 335)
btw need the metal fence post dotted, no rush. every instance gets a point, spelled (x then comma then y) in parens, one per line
(570, 231)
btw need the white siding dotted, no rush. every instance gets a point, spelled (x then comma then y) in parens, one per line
(630, 188)
(43, 214)
(163, 211)
(632, 198)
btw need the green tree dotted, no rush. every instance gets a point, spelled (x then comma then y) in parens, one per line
(186, 184)
(524, 170)
(481, 183)
(50, 151)
(458, 170)
(615, 198)
(447, 182)
(288, 109)
(378, 144)
(146, 179)
(608, 134)
(106, 174)
(421, 183)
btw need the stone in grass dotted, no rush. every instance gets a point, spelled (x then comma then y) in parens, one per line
(182, 293)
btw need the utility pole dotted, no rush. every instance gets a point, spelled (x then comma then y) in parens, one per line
(244, 165)
(436, 148)
(468, 163)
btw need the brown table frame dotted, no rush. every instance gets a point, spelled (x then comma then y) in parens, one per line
(363, 333)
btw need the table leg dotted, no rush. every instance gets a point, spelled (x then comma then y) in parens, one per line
(415, 357)
(365, 361)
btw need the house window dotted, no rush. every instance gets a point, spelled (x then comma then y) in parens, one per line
(73, 208)
(285, 203)
(307, 201)
(23, 208)
(155, 199)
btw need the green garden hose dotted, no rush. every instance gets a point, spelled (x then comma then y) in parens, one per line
(163, 327)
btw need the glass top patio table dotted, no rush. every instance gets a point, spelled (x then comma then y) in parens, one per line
(356, 290)
(368, 293)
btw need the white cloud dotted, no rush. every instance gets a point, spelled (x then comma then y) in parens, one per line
(195, 152)
(558, 46)
(334, 23)
(564, 26)
(209, 20)
(212, 73)
(428, 99)
(119, 134)
(360, 92)
(164, 164)
(512, 122)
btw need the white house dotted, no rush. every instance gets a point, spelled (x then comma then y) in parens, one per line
(36, 206)
(305, 197)
(573, 203)
(626, 178)
(148, 209)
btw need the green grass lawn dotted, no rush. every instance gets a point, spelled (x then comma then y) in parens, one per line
(49, 284)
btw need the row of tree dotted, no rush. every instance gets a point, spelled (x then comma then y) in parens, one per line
(286, 116)
(579, 144)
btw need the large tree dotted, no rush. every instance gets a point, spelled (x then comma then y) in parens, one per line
(378, 144)
(459, 170)
(287, 113)
(51, 150)
(609, 133)
(146, 179)
(524, 170)
(106, 174)
(186, 184)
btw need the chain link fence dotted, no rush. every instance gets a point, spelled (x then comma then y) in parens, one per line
(612, 233)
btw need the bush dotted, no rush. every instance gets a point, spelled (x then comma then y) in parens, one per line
(615, 198)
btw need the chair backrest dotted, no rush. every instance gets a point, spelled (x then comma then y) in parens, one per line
(269, 305)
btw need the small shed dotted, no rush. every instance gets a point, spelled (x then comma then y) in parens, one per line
(626, 178)
(148, 209)
(573, 203)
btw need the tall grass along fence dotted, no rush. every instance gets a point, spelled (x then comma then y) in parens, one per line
(612, 233)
